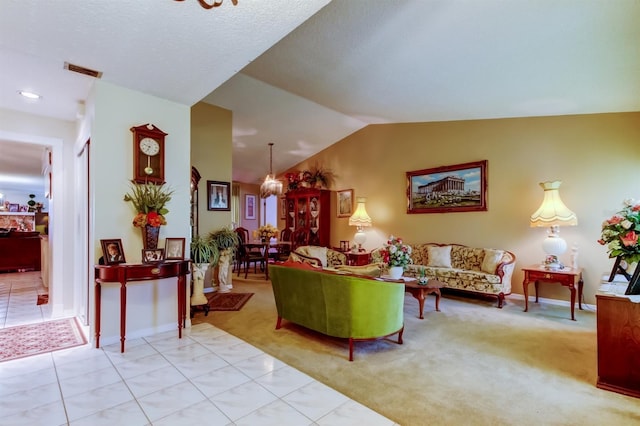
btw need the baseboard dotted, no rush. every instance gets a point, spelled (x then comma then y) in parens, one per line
(557, 302)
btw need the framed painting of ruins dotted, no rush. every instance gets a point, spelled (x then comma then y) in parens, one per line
(457, 188)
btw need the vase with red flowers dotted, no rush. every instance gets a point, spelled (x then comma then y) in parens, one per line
(149, 200)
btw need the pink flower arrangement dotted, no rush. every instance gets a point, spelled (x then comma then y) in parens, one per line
(396, 253)
(620, 232)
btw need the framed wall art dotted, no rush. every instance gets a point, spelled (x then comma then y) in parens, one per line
(283, 208)
(457, 188)
(249, 206)
(218, 195)
(344, 202)
(112, 252)
(174, 248)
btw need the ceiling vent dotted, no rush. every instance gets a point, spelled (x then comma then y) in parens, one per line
(82, 70)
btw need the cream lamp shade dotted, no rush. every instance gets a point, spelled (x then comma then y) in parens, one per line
(360, 218)
(553, 213)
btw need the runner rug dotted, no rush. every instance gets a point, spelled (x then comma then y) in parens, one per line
(227, 301)
(33, 339)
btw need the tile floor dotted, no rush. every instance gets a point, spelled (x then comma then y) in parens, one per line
(208, 376)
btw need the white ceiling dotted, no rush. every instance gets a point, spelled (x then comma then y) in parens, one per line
(337, 69)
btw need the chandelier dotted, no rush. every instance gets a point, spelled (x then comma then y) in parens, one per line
(215, 3)
(270, 186)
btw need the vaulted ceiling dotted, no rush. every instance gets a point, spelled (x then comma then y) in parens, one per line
(304, 75)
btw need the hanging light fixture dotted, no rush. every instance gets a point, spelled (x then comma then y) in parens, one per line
(213, 3)
(270, 186)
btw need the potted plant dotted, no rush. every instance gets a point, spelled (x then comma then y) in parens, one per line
(203, 253)
(226, 241)
(317, 177)
(203, 250)
(149, 201)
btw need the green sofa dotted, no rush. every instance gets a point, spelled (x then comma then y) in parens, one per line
(338, 305)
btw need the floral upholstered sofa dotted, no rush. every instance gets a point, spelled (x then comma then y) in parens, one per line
(478, 270)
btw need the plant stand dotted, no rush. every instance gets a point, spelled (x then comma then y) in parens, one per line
(197, 297)
(224, 280)
(634, 280)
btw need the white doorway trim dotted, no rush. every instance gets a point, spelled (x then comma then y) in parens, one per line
(56, 228)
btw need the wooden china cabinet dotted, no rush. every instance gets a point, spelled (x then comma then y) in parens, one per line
(309, 208)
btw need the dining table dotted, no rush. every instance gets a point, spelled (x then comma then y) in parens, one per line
(269, 250)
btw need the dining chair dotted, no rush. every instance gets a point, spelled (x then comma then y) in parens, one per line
(284, 246)
(246, 256)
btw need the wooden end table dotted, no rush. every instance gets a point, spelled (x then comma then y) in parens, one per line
(568, 277)
(358, 259)
(420, 292)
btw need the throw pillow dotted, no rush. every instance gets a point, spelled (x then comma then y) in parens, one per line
(440, 256)
(491, 259)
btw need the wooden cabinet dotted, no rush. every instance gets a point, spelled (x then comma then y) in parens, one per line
(20, 251)
(310, 208)
(618, 345)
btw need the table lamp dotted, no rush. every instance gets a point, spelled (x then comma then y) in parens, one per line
(553, 213)
(360, 218)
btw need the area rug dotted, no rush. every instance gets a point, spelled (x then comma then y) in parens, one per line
(43, 299)
(34, 339)
(227, 301)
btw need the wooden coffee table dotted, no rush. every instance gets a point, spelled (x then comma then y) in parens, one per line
(420, 292)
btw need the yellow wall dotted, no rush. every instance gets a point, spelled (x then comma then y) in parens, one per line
(211, 154)
(597, 157)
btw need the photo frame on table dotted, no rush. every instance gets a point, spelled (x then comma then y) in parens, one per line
(448, 189)
(218, 195)
(14, 207)
(249, 206)
(112, 252)
(344, 202)
(174, 248)
(152, 255)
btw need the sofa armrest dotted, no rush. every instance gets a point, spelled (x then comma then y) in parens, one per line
(505, 270)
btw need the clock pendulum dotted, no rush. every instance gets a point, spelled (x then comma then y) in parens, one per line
(148, 170)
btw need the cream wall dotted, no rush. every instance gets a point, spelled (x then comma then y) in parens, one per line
(211, 154)
(250, 189)
(113, 110)
(597, 157)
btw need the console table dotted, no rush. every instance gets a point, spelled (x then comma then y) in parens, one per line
(567, 277)
(125, 272)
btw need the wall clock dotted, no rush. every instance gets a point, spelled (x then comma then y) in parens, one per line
(148, 154)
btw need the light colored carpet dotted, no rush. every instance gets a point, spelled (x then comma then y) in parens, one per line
(470, 364)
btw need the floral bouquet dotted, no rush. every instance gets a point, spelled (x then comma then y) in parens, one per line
(149, 200)
(396, 253)
(266, 232)
(620, 233)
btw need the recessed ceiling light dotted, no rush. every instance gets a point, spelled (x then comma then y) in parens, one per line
(29, 95)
